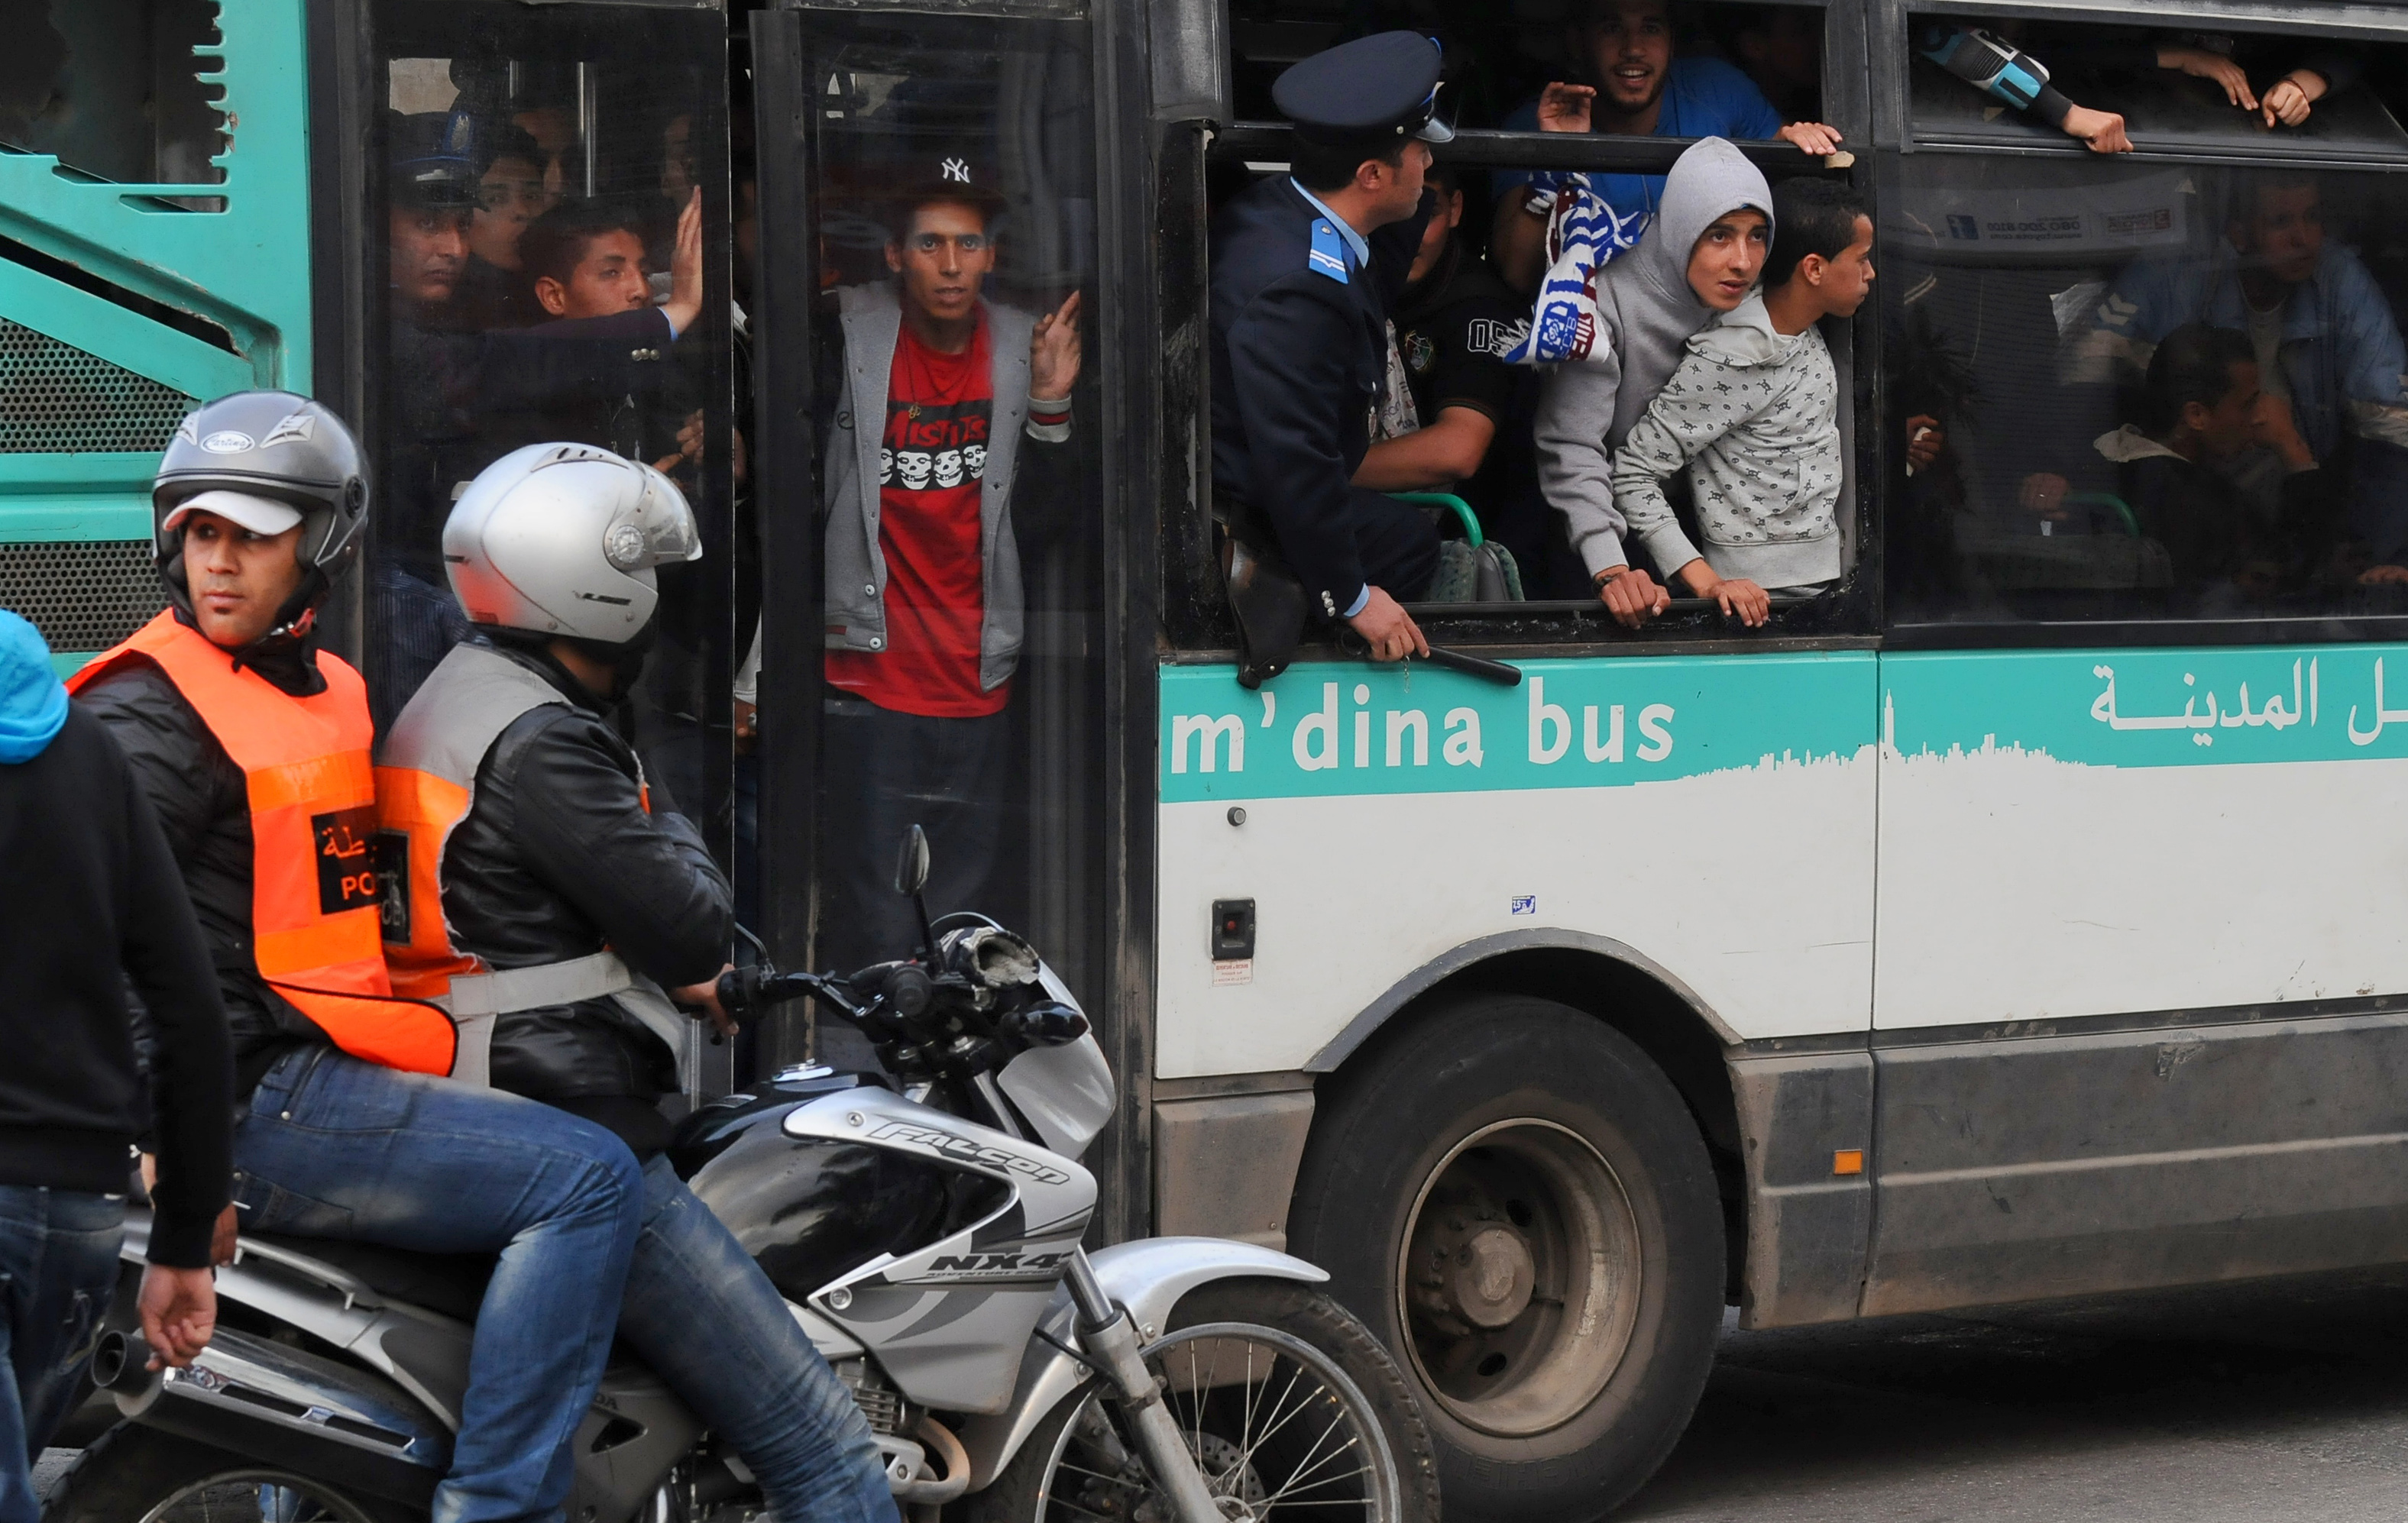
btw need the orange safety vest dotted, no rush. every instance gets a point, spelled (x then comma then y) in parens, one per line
(315, 892)
(425, 778)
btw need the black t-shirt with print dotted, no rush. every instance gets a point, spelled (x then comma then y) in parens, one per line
(1451, 328)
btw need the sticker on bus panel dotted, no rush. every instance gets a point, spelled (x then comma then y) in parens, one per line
(1333, 729)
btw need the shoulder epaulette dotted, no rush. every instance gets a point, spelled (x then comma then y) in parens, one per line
(1328, 256)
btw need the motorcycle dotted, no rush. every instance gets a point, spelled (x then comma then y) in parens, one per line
(924, 1226)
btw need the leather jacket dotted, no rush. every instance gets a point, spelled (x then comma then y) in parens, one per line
(558, 858)
(204, 806)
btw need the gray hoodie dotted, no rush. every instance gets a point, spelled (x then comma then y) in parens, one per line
(1647, 311)
(1758, 412)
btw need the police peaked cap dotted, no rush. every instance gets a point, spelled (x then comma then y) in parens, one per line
(432, 157)
(1374, 89)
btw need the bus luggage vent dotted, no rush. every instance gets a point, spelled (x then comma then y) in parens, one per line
(83, 594)
(64, 401)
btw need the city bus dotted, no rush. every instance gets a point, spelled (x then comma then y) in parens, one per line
(2019, 917)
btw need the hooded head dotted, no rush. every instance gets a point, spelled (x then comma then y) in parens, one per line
(1708, 182)
(33, 700)
(1645, 296)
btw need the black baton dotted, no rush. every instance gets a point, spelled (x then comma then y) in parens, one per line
(1480, 666)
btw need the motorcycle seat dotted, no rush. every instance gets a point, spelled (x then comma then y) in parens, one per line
(450, 1284)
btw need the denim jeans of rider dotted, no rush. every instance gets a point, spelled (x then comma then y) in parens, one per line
(710, 1324)
(58, 1265)
(332, 1147)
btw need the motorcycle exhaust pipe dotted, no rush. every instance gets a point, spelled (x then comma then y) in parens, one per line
(120, 1365)
(906, 1465)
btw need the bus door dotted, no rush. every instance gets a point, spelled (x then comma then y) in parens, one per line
(937, 417)
(2141, 879)
(527, 281)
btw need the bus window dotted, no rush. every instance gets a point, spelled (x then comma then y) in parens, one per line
(955, 663)
(2155, 86)
(2167, 390)
(1637, 68)
(546, 279)
(112, 88)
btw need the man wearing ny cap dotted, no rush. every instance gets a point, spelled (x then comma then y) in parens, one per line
(944, 460)
(1305, 267)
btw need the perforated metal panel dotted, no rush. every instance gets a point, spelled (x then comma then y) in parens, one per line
(58, 399)
(83, 594)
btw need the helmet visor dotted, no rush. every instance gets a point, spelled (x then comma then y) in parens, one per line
(656, 529)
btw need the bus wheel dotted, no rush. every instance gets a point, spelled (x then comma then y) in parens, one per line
(1517, 1201)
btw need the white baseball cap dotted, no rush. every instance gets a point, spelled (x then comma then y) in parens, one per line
(260, 514)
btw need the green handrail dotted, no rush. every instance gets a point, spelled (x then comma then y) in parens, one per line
(2106, 499)
(1447, 498)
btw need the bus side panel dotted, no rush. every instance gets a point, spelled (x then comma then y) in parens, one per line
(2139, 924)
(1713, 814)
(99, 375)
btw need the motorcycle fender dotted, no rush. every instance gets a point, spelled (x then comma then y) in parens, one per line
(426, 1355)
(1147, 1277)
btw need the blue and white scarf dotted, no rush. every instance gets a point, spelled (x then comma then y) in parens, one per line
(1583, 236)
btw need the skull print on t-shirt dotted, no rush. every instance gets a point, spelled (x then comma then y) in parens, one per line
(931, 536)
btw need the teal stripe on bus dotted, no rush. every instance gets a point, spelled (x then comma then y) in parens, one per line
(2183, 707)
(1326, 729)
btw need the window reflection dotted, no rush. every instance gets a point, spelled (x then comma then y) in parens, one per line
(2167, 392)
(541, 286)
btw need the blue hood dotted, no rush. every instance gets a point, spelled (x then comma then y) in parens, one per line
(33, 699)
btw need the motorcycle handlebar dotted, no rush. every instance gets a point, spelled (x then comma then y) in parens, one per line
(905, 988)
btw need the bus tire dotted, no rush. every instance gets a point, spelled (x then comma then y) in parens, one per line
(1517, 1201)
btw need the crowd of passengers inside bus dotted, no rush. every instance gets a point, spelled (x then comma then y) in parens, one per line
(2184, 399)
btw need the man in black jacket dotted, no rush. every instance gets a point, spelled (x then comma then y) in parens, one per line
(89, 899)
(551, 892)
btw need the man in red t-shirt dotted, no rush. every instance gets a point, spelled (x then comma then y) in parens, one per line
(938, 462)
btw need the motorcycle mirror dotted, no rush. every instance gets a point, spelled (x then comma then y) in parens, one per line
(912, 863)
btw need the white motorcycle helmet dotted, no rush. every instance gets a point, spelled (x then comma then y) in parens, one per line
(561, 540)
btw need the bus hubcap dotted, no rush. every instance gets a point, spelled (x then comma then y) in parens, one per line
(1520, 1277)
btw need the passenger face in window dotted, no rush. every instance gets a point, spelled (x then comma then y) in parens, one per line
(944, 259)
(609, 279)
(429, 246)
(2284, 233)
(1727, 258)
(2227, 426)
(1846, 281)
(508, 197)
(555, 135)
(1629, 48)
(677, 164)
(1441, 227)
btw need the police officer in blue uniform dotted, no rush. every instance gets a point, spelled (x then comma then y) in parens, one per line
(1305, 268)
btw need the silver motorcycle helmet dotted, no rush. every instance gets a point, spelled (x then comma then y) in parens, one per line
(562, 539)
(265, 460)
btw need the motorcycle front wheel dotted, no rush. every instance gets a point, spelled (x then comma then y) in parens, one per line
(1294, 1412)
(136, 1475)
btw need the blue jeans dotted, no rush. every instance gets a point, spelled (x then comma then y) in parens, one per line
(58, 1265)
(710, 1324)
(335, 1147)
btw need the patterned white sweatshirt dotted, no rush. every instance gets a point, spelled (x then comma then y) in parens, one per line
(1754, 415)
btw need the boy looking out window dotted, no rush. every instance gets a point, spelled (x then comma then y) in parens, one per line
(1753, 413)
